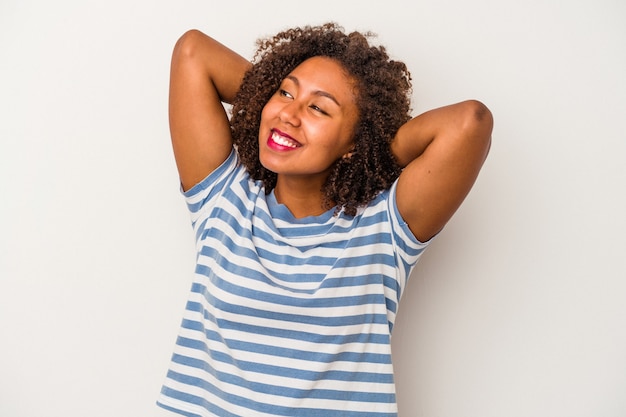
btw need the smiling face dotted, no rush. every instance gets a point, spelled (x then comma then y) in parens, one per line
(308, 124)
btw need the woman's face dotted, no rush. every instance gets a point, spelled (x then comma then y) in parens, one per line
(309, 123)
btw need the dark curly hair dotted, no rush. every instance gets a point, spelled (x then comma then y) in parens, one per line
(383, 100)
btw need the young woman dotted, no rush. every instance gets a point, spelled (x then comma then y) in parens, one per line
(310, 205)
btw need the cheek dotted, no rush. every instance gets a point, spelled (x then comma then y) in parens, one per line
(265, 116)
(270, 108)
(346, 135)
(263, 113)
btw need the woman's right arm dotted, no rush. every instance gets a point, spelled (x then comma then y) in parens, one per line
(204, 73)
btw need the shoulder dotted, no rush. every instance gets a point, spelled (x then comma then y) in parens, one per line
(230, 180)
(383, 212)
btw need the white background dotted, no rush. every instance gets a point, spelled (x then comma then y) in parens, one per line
(517, 309)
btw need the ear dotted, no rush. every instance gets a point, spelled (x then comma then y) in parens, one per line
(349, 154)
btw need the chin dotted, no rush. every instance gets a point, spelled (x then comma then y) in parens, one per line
(267, 165)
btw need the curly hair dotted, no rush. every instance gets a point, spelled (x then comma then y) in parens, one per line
(383, 101)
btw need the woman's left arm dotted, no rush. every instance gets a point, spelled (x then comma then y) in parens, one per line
(442, 152)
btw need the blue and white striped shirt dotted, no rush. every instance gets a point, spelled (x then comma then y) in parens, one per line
(288, 317)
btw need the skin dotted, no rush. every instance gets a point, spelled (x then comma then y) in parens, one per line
(314, 113)
(203, 74)
(441, 151)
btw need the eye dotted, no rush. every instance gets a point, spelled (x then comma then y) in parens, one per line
(284, 93)
(317, 109)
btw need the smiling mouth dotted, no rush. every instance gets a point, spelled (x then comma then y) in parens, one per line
(282, 142)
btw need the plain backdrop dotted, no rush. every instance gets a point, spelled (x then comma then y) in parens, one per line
(517, 309)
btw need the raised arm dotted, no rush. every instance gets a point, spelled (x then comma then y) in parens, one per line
(442, 151)
(204, 73)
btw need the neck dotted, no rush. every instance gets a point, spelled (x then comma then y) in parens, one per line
(302, 199)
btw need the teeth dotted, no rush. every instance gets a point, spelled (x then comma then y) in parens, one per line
(283, 141)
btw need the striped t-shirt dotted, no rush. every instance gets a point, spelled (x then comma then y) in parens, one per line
(286, 316)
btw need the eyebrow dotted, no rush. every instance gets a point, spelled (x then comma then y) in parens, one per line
(320, 93)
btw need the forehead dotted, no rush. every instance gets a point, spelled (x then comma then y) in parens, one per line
(325, 74)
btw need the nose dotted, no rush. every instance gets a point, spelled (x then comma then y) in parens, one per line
(290, 113)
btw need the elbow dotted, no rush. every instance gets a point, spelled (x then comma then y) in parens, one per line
(187, 44)
(478, 115)
(478, 123)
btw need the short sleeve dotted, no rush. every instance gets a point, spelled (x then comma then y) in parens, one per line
(202, 196)
(408, 248)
